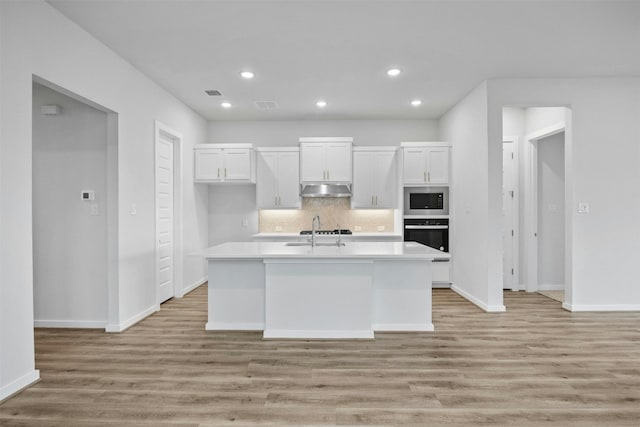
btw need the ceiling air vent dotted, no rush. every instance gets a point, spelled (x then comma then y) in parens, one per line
(212, 92)
(266, 105)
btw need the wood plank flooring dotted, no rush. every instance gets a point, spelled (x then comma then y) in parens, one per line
(534, 365)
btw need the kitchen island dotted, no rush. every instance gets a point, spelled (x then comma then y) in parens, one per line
(321, 292)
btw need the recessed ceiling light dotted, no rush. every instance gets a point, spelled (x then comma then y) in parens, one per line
(416, 103)
(392, 72)
(247, 75)
(226, 105)
(321, 104)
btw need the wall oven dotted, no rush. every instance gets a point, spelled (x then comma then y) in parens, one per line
(426, 201)
(433, 232)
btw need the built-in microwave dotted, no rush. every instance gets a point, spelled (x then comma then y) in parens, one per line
(426, 201)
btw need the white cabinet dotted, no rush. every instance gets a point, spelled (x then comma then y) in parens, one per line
(322, 161)
(231, 163)
(374, 177)
(278, 172)
(425, 164)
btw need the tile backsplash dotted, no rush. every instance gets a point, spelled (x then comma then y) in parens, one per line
(334, 213)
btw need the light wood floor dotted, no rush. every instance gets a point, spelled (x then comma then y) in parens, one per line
(534, 365)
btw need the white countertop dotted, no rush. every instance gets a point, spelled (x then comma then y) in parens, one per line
(352, 250)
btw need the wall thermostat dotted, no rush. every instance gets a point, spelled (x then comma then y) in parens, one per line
(88, 195)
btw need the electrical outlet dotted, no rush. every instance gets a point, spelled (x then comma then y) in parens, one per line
(245, 222)
(278, 228)
(134, 209)
(583, 207)
(357, 228)
(95, 209)
(381, 228)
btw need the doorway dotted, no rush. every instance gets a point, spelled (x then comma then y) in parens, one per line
(168, 212)
(74, 209)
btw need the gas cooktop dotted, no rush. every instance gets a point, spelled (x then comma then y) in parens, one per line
(328, 232)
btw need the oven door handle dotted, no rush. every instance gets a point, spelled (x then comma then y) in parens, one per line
(426, 227)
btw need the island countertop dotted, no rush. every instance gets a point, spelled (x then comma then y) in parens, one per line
(351, 250)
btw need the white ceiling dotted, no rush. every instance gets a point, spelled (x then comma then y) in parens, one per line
(302, 51)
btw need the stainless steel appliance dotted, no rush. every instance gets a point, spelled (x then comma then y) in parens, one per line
(426, 201)
(433, 232)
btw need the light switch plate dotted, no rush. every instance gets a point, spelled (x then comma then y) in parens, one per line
(583, 207)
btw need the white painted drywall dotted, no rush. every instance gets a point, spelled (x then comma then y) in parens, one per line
(69, 244)
(286, 133)
(465, 127)
(602, 167)
(38, 40)
(229, 206)
(551, 212)
(537, 118)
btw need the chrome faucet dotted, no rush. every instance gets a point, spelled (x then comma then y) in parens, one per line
(313, 229)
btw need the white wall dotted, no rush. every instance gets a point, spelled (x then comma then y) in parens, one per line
(537, 118)
(465, 127)
(551, 212)
(38, 40)
(229, 206)
(286, 133)
(69, 244)
(224, 226)
(602, 167)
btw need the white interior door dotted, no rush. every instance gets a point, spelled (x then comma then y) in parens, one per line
(164, 219)
(509, 214)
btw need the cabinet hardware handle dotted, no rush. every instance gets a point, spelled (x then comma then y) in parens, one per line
(425, 176)
(372, 200)
(429, 176)
(376, 200)
(328, 176)
(225, 172)
(275, 200)
(279, 201)
(218, 172)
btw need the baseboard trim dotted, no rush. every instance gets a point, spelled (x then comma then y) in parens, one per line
(403, 327)
(318, 334)
(221, 326)
(85, 324)
(488, 308)
(121, 327)
(601, 307)
(192, 286)
(440, 285)
(551, 287)
(16, 386)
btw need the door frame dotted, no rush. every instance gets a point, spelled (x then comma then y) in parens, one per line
(531, 202)
(516, 212)
(164, 131)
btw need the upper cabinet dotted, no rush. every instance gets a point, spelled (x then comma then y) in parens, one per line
(425, 163)
(278, 172)
(231, 163)
(374, 177)
(325, 159)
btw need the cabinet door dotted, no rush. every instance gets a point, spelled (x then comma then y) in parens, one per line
(208, 167)
(312, 162)
(289, 179)
(363, 195)
(415, 167)
(385, 179)
(237, 164)
(438, 165)
(338, 162)
(267, 178)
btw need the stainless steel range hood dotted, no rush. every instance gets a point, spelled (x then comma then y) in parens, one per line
(325, 190)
